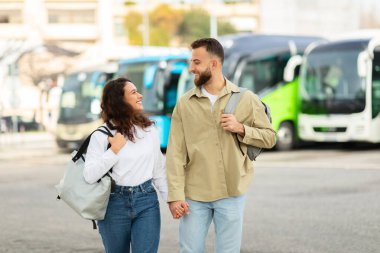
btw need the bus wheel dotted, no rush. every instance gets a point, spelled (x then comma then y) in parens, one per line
(285, 137)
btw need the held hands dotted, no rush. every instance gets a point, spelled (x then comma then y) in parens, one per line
(230, 123)
(117, 142)
(179, 208)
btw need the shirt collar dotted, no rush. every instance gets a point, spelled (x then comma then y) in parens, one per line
(228, 88)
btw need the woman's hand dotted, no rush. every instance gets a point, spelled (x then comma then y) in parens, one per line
(117, 142)
(179, 208)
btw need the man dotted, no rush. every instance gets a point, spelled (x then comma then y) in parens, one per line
(207, 165)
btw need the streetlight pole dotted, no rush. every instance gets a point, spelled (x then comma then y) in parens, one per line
(146, 24)
(213, 20)
(213, 26)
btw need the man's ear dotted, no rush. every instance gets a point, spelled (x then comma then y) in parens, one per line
(215, 63)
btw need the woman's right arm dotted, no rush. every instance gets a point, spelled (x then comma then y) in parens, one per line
(99, 160)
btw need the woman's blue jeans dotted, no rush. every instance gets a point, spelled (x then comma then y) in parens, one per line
(132, 220)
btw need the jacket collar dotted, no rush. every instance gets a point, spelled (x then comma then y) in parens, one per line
(228, 88)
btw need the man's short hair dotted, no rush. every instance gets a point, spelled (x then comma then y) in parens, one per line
(212, 46)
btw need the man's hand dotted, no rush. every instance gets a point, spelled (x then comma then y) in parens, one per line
(117, 142)
(179, 208)
(230, 123)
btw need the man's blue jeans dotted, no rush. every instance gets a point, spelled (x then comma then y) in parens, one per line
(132, 220)
(227, 215)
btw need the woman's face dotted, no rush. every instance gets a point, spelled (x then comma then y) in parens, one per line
(132, 97)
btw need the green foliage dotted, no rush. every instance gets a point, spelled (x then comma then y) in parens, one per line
(166, 17)
(134, 21)
(225, 28)
(159, 36)
(164, 23)
(195, 24)
(167, 25)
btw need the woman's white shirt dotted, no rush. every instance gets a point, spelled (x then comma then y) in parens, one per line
(135, 163)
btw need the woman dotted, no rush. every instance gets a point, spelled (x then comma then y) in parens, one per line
(132, 219)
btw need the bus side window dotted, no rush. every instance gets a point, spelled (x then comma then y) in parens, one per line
(376, 85)
(171, 93)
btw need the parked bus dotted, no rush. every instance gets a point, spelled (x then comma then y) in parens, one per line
(156, 78)
(269, 66)
(340, 91)
(79, 106)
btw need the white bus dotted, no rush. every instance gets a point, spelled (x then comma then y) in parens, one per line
(340, 91)
(79, 107)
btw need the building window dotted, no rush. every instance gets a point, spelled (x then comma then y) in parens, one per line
(10, 17)
(119, 29)
(71, 16)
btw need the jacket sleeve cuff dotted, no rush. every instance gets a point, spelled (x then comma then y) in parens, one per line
(176, 196)
(244, 139)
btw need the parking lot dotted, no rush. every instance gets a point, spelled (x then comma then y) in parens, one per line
(319, 199)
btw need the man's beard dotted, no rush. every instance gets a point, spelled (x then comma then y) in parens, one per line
(203, 78)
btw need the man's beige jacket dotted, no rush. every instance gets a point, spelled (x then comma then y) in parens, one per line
(204, 162)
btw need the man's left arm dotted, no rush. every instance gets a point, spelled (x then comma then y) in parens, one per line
(260, 133)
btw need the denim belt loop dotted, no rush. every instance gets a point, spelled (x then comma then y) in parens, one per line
(142, 188)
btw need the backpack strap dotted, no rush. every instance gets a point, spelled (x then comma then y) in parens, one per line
(231, 106)
(108, 132)
(84, 146)
(234, 100)
(232, 103)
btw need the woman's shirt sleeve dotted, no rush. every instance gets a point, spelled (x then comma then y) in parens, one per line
(159, 169)
(99, 160)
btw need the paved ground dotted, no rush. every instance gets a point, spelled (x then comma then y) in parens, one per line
(321, 199)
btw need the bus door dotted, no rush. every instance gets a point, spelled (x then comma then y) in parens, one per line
(263, 74)
(166, 82)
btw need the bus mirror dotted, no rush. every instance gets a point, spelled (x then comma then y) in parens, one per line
(60, 80)
(373, 43)
(82, 76)
(362, 62)
(149, 74)
(290, 68)
(95, 106)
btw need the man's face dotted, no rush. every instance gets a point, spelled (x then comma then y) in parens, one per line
(200, 66)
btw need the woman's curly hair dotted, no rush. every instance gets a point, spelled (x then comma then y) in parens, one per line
(118, 114)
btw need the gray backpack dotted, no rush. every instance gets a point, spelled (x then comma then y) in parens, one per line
(252, 152)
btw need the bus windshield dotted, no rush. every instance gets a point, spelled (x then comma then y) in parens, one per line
(331, 84)
(80, 98)
(157, 81)
(137, 73)
(262, 74)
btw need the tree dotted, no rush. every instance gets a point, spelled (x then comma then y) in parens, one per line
(163, 25)
(167, 25)
(164, 22)
(225, 28)
(133, 24)
(196, 24)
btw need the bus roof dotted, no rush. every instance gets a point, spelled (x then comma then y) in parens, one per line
(248, 43)
(155, 58)
(346, 44)
(110, 67)
(359, 34)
